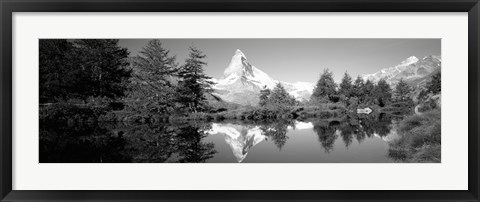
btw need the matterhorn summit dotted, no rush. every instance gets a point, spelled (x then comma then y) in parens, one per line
(242, 83)
(240, 69)
(238, 64)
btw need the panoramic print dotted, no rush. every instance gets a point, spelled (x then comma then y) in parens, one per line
(240, 100)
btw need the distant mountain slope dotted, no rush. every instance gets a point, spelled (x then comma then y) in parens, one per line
(242, 83)
(416, 72)
(411, 70)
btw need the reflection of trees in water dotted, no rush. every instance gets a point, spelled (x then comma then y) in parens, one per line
(347, 132)
(149, 143)
(86, 143)
(98, 142)
(380, 125)
(360, 136)
(352, 128)
(277, 131)
(190, 146)
(168, 143)
(143, 143)
(326, 134)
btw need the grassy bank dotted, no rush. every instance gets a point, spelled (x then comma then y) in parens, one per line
(73, 114)
(420, 139)
(265, 113)
(63, 112)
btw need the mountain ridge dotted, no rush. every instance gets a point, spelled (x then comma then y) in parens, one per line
(409, 69)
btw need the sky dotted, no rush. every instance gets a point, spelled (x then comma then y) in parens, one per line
(293, 60)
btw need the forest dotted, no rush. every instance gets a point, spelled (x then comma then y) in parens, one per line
(96, 80)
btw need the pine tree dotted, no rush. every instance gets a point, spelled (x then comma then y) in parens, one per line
(402, 91)
(358, 89)
(435, 85)
(325, 88)
(81, 69)
(105, 65)
(383, 93)
(58, 70)
(346, 87)
(194, 84)
(152, 84)
(280, 97)
(264, 95)
(368, 92)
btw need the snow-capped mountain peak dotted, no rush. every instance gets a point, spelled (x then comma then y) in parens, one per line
(240, 53)
(410, 60)
(242, 82)
(238, 65)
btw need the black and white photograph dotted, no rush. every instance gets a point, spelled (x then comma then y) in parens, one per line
(240, 100)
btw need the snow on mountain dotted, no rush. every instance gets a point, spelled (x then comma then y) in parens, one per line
(410, 69)
(242, 83)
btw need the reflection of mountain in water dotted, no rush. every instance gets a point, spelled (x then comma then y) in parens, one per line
(243, 137)
(302, 125)
(239, 138)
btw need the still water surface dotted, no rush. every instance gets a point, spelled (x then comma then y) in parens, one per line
(308, 141)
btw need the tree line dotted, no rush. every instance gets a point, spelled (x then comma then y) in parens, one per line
(82, 70)
(89, 71)
(161, 85)
(347, 92)
(359, 92)
(278, 97)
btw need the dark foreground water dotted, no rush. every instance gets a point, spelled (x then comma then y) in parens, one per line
(308, 141)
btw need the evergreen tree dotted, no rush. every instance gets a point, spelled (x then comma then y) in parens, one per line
(358, 88)
(194, 84)
(152, 84)
(58, 70)
(368, 92)
(346, 87)
(325, 88)
(435, 85)
(264, 95)
(81, 69)
(383, 93)
(280, 97)
(105, 67)
(402, 91)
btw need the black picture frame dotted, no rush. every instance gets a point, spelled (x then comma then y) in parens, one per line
(8, 7)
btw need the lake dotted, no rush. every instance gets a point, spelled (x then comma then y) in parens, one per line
(354, 140)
